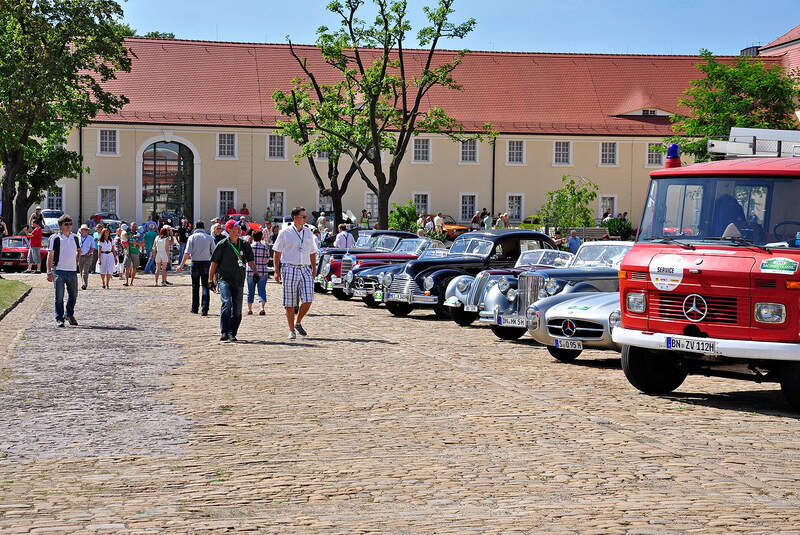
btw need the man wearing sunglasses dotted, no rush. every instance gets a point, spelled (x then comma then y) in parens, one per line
(295, 267)
(62, 269)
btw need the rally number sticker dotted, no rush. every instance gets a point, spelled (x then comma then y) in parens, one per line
(666, 272)
(781, 266)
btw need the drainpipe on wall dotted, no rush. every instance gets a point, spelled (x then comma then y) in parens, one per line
(494, 151)
(80, 176)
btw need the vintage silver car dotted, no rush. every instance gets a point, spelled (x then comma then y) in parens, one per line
(465, 294)
(584, 321)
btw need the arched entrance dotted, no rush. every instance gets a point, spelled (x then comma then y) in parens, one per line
(167, 190)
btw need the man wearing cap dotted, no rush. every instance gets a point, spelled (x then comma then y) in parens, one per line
(296, 265)
(85, 262)
(228, 262)
(38, 217)
(199, 247)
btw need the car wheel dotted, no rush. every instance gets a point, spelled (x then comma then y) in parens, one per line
(463, 318)
(370, 301)
(399, 309)
(338, 293)
(790, 384)
(508, 333)
(650, 372)
(319, 288)
(564, 355)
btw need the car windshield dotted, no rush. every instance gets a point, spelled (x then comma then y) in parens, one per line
(386, 242)
(605, 255)
(544, 257)
(432, 252)
(471, 246)
(11, 243)
(448, 220)
(411, 246)
(742, 210)
(364, 241)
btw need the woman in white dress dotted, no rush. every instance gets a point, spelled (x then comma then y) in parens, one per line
(106, 259)
(161, 249)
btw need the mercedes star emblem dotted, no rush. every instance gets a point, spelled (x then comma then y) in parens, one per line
(568, 328)
(695, 308)
(359, 283)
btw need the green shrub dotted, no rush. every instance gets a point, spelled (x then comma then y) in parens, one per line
(403, 217)
(619, 227)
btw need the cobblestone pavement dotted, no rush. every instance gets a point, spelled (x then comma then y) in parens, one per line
(372, 424)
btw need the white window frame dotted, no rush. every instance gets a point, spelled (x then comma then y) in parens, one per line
(285, 150)
(235, 147)
(63, 199)
(647, 163)
(367, 207)
(114, 154)
(428, 193)
(285, 201)
(649, 112)
(414, 152)
(477, 159)
(600, 197)
(318, 158)
(521, 206)
(524, 153)
(461, 195)
(600, 154)
(569, 154)
(235, 199)
(100, 198)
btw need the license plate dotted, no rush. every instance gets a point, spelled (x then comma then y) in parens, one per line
(378, 296)
(8, 263)
(470, 308)
(359, 293)
(511, 321)
(562, 343)
(330, 285)
(336, 280)
(689, 345)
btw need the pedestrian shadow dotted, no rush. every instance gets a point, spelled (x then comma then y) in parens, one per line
(289, 343)
(353, 340)
(108, 328)
(765, 402)
(333, 315)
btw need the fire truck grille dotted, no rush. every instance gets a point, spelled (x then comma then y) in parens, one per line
(638, 276)
(720, 309)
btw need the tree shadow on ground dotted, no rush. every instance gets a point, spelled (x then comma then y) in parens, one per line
(766, 402)
(352, 340)
(108, 328)
(290, 343)
(603, 364)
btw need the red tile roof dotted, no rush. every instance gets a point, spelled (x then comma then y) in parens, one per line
(788, 37)
(176, 82)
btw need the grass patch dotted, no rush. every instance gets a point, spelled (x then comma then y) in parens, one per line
(10, 291)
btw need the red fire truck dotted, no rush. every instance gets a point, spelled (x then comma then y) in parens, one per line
(712, 284)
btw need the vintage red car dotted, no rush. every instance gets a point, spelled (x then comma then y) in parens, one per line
(15, 253)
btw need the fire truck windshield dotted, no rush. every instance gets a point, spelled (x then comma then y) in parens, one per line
(742, 210)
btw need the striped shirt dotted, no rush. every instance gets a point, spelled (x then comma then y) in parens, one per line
(261, 256)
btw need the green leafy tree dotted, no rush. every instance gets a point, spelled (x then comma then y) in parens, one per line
(745, 93)
(159, 35)
(383, 90)
(54, 57)
(404, 217)
(619, 227)
(568, 206)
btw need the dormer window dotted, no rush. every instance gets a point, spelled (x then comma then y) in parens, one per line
(649, 112)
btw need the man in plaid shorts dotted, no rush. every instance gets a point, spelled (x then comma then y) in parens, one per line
(295, 267)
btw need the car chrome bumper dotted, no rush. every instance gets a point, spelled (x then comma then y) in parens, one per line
(414, 299)
(737, 349)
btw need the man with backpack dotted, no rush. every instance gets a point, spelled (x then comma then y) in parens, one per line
(62, 269)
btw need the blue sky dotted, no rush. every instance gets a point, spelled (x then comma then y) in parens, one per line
(592, 26)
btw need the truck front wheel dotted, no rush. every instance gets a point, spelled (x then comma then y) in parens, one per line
(651, 372)
(790, 384)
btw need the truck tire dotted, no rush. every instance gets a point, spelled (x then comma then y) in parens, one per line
(339, 294)
(651, 372)
(790, 384)
(370, 301)
(463, 318)
(399, 309)
(508, 333)
(564, 355)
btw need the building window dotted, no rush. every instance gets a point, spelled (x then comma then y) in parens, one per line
(54, 200)
(108, 142)
(371, 203)
(422, 150)
(469, 151)
(226, 201)
(655, 158)
(107, 200)
(421, 201)
(562, 153)
(325, 203)
(468, 203)
(276, 147)
(515, 152)
(608, 205)
(514, 203)
(648, 112)
(276, 203)
(226, 146)
(321, 156)
(608, 153)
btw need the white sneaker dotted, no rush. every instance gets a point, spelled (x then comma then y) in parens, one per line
(292, 335)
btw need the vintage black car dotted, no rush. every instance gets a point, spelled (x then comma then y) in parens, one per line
(423, 282)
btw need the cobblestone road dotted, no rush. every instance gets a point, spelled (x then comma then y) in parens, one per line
(372, 424)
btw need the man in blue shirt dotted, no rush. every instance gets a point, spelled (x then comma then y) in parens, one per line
(574, 242)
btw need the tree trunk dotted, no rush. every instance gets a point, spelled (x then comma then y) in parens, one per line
(21, 205)
(336, 200)
(384, 193)
(9, 187)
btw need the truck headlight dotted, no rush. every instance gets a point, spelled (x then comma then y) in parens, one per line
(511, 294)
(349, 277)
(770, 313)
(614, 320)
(427, 283)
(463, 285)
(326, 270)
(532, 317)
(503, 285)
(387, 280)
(636, 302)
(551, 286)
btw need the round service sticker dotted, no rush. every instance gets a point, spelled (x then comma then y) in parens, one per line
(666, 272)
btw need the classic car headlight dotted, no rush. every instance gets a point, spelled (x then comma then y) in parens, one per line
(770, 313)
(427, 283)
(551, 286)
(511, 294)
(326, 270)
(349, 276)
(387, 280)
(542, 294)
(463, 285)
(636, 302)
(532, 315)
(503, 285)
(614, 320)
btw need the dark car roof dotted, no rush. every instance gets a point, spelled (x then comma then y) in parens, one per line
(513, 232)
(401, 233)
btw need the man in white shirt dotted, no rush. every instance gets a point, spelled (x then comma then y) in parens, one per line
(62, 269)
(438, 222)
(295, 262)
(344, 240)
